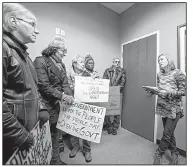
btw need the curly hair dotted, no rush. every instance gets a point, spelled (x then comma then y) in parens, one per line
(49, 51)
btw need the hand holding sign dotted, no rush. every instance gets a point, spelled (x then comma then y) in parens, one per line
(29, 142)
(82, 120)
(36, 150)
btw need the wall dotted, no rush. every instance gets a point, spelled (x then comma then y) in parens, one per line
(89, 27)
(145, 18)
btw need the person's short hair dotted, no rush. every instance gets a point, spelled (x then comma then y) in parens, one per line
(87, 58)
(75, 59)
(15, 10)
(115, 59)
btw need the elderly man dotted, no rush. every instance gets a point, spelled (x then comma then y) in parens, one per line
(53, 86)
(117, 77)
(22, 107)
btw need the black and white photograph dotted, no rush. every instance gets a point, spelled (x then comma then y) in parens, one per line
(94, 83)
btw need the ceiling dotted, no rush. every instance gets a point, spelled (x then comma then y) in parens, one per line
(118, 7)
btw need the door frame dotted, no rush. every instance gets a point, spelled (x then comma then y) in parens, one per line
(157, 69)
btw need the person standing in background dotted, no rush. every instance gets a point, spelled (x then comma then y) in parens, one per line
(117, 77)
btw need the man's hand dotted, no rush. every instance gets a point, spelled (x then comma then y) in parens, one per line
(29, 142)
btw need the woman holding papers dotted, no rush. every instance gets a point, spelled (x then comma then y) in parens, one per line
(171, 86)
(78, 69)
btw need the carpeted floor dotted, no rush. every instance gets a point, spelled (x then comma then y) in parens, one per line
(123, 148)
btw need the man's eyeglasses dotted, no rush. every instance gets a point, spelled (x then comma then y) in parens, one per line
(31, 23)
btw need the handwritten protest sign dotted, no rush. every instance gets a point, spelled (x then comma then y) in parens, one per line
(91, 90)
(113, 107)
(82, 120)
(40, 153)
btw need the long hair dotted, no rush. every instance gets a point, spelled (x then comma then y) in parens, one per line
(171, 65)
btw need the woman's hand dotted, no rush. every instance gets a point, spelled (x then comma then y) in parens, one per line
(163, 93)
(148, 92)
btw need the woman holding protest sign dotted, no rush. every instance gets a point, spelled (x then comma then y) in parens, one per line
(53, 86)
(171, 86)
(78, 69)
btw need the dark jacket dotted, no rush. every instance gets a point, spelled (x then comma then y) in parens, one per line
(118, 80)
(20, 95)
(52, 82)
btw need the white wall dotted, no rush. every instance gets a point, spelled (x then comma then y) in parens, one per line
(89, 27)
(145, 18)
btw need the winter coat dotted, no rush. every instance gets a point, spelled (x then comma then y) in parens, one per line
(52, 83)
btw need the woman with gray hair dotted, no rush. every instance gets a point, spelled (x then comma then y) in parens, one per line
(171, 86)
(78, 69)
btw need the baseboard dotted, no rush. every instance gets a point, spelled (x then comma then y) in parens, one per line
(181, 152)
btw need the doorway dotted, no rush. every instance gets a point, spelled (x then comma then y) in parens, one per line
(140, 63)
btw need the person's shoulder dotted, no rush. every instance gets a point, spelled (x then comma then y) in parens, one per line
(108, 69)
(178, 72)
(6, 49)
(39, 59)
(86, 74)
(122, 69)
(159, 74)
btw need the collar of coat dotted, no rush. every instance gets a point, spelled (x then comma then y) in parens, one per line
(117, 68)
(14, 43)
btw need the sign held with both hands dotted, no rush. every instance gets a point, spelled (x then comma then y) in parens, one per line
(82, 120)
